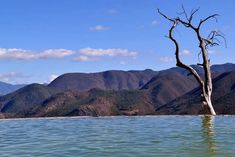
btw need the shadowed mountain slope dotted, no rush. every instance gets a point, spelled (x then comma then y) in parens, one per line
(190, 103)
(23, 100)
(226, 103)
(167, 86)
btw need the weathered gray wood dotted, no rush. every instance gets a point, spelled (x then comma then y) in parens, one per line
(211, 40)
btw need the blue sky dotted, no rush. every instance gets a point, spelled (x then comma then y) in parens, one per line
(40, 40)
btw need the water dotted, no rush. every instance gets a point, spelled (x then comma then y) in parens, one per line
(118, 137)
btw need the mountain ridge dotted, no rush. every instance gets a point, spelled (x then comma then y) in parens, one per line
(166, 92)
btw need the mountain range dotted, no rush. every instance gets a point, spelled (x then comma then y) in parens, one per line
(147, 92)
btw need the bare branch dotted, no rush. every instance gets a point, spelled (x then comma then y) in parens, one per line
(221, 35)
(214, 16)
(166, 17)
(188, 18)
(192, 14)
(184, 12)
(212, 38)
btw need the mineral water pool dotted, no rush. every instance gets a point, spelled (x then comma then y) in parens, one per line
(147, 136)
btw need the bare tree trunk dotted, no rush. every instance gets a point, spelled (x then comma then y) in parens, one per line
(207, 88)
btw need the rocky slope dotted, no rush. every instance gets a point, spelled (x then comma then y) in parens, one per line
(96, 102)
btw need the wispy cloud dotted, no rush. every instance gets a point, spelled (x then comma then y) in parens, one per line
(107, 52)
(21, 54)
(12, 77)
(91, 54)
(155, 23)
(211, 51)
(166, 59)
(185, 52)
(98, 28)
(83, 58)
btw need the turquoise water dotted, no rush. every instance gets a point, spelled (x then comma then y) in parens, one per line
(119, 137)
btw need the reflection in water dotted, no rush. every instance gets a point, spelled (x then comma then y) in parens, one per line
(209, 134)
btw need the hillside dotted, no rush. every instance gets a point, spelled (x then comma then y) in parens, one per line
(225, 104)
(167, 86)
(222, 98)
(108, 80)
(20, 102)
(96, 102)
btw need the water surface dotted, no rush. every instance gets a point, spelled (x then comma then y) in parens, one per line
(119, 136)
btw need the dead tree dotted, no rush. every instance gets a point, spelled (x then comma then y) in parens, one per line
(210, 41)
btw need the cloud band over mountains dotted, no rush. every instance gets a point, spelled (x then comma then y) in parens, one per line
(85, 54)
(21, 54)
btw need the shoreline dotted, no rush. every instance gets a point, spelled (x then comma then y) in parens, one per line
(97, 117)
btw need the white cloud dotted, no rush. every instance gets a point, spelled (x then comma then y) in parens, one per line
(21, 54)
(55, 53)
(211, 51)
(98, 28)
(86, 54)
(155, 23)
(52, 77)
(84, 59)
(91, 54)
(12, 77)
(107, 52)
(185, 53)
(166, 59)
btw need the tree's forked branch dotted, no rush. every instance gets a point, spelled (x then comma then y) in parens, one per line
(189, 18)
